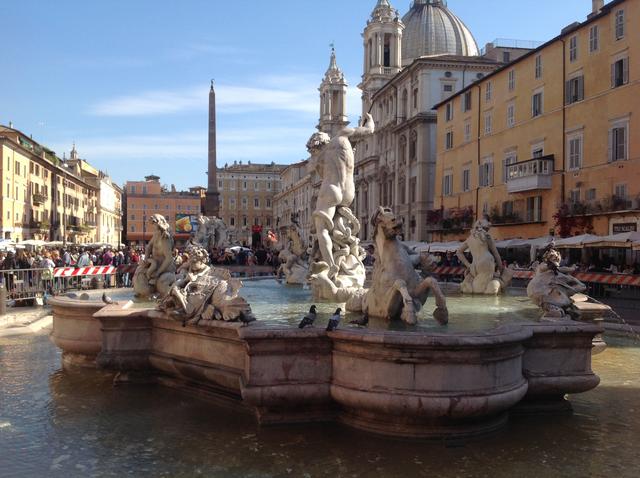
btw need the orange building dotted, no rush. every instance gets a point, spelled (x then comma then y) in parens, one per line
(148, 197)
(544, 143)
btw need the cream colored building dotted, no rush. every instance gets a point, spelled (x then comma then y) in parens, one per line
(295, 200)
(546, 143)
(246, 197)
(409, 66)
(43, 197)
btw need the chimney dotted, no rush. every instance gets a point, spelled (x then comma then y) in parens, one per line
(596, 6)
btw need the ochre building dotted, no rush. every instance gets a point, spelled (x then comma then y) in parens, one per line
(546, 144)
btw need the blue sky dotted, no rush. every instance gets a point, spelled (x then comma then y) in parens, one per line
(128, 80)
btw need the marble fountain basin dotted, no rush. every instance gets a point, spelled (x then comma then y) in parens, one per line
(429, 381)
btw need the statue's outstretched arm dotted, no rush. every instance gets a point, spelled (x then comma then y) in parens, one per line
(368, 127)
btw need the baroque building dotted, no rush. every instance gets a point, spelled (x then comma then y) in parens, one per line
(410, 64)
(545, 143)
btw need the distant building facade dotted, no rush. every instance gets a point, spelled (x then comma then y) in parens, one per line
(294, 202)
(148, 197)
(246, 194)
(545, 144)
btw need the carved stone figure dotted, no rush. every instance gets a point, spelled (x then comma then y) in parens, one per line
(485, 275)
(203, 293)
(397, 290)
(293, 265)
(212, 233)
(337, 255)
(156, 273)
(558, 293)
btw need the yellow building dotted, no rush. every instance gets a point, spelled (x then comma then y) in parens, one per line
(544, 143)
(43, 197)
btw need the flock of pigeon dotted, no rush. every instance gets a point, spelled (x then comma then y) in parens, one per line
(334, 321)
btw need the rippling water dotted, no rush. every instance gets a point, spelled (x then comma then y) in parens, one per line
(65, 424)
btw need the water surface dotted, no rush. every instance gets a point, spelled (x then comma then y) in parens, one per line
(66, 424)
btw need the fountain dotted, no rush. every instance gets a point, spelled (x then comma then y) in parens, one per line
(416, 377)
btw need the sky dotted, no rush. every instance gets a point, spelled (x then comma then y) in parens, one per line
(128, 81)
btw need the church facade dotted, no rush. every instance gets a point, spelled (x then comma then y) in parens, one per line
(410, 64)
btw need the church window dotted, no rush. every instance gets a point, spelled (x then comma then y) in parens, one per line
(387, 50)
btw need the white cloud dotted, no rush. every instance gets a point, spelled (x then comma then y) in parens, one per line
(229, 99)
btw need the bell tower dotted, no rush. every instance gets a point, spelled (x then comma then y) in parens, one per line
(382, 50)
(333, 99)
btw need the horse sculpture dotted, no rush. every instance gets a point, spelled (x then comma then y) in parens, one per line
(157, 272)
(397, 291)
(291, 257)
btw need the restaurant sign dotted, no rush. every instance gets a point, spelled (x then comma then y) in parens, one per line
(625, 227)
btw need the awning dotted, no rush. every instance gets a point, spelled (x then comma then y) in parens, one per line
(623, 239)
(444, 246)
(577, 242)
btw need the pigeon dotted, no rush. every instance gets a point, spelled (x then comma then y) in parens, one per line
(107, 300)
(308, 319)
(363, 322)
(246, 319)
(334, 320)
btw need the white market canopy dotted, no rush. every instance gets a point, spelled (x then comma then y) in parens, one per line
(32, 242)
(623, 239)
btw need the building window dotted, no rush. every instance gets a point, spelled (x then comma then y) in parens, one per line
(510, 158)
(244, 221)
(232, 221)
(269, 186)
(256, 185)
(449, 140)
(594, 38)
(538, 67)
(256, 203)
(448, 114)
(511, 115)
(621, 191)
(486, 174)
(620, 72)
(534, 209)
(574, 90)
(133, 228)
(574, 150)
(591, 194)
(244, 204)
(220, 186)
(447, 184)
(268, 202)
(488, 91)
(574, 196)
(506, 56)
(466, 180)
(413, 186)
(573, 48)
(488, 123)
(512, 80)
(415, 99)
(466, 103)
(619, 24)
(467, 131)
(447, 88)
(244, 185)
(618, 143)
(536, 104)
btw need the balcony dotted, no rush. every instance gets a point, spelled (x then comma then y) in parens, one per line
(39, 225)
(38, 199)
(454, 220)
(530, 175)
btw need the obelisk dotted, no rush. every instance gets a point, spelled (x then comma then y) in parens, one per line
(212, 199)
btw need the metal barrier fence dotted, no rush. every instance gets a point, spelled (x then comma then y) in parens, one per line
(23, 284)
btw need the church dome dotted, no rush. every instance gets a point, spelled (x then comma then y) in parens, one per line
(432, 29)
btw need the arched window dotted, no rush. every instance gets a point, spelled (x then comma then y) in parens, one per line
(413, 146)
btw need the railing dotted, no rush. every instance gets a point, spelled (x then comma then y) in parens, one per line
(39, 198)
(510, 43)
(530, 175)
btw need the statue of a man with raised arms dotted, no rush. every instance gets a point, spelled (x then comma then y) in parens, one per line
(334, 160)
